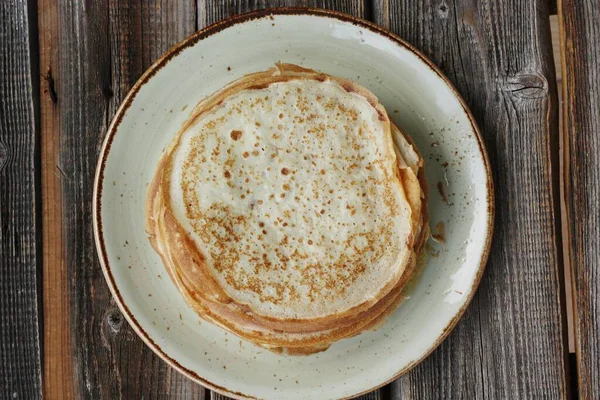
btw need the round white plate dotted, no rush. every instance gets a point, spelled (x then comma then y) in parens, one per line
(418, 98)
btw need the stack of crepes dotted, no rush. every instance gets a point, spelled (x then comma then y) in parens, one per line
(289, 210)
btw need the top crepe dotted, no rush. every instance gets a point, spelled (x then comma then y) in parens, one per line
(282, 201)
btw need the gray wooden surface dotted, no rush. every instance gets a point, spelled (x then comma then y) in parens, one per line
(20, 230)
(499, 56)
(580, 29)
(511, 341)
(102, 50)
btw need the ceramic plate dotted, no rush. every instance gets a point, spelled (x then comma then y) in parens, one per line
(418, 98)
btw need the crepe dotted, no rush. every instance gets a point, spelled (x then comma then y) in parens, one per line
(289, 210)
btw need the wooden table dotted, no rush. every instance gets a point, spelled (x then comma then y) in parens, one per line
(65, 67)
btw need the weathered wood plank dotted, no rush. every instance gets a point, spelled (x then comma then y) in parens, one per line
(58, 355)
(580, 34)
(20, 243)
(510, 343)
(101, 50)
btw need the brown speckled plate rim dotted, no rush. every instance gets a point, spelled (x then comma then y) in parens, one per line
(192, 40)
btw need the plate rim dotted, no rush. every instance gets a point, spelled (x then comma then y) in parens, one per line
(190, 41)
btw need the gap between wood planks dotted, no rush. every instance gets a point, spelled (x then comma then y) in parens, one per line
(569, 305)
(565, 228)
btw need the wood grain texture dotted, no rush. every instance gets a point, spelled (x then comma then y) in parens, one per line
(510, 342)
(101, 49)
(20, 243)
(210, 11)
(580, 31)
(58, 355)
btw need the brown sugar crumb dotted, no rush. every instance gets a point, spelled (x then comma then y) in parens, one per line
(246, 154)
(255, 153)
(257, 123)
(285, 171)
(286, 186)
(322, 212)
(260, 202)
(264, 232)
(236, 135)
(227, 174)
(280, 115)
(282, 195)
(285, 224)
(322, 172)
(310, 242)
(261, 224)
